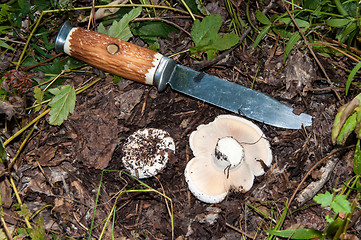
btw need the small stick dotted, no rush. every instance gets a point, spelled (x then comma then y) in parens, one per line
(163, 20)
(239, 230)
(272, 54)
(6, 229)
(41, 63)
(313, 168)
(312, 189)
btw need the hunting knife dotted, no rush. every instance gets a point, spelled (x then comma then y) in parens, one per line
(148, 67)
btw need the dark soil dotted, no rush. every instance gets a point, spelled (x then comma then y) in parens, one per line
(61, 167)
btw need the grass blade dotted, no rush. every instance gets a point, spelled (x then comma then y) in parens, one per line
(301, 233)
(351, 76)
(290, 44)
(261, 35)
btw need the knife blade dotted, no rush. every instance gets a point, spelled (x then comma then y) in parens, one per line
(148, 67)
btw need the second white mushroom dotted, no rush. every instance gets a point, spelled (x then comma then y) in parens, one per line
(228, 153)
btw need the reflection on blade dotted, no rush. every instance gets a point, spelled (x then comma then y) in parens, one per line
(236, 98)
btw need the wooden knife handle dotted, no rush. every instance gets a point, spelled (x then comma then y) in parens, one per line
(111, 54)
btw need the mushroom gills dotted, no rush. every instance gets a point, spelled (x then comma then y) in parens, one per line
(228, 154)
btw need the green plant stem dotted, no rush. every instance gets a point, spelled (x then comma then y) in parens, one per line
(28, 41)
(80, 90)
(26, 127)
(255, 75)
(41, 209)
(54, 79)
(188, 9)
(354, 204)
(175, 54)
(22, 146)
(12, 183)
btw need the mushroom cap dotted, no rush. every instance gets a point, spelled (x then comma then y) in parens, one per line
(211, 185)
(146, 152)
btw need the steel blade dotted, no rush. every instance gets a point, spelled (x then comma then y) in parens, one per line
(236, 98)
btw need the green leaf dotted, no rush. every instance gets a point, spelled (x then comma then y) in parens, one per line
(337, 22)
(5, 45)
(260, 36)
(357, 159)
(301, 23)
(55, 68)
(4, 13)
(290, 44)
(311, 4)
(301, 233)
(151, 31)
(196, 7)
(324, 199)
(22, 210)
(334, 225)
(343, 115)
(262, 18)
(62, 104)
(120, 29)
(347, 129)
(358, 186)
(38, 232)
(352, 26)
(207, 39)
(3, 154)
(341, 204)
(351, 76)
(39, 96)
(4, 29)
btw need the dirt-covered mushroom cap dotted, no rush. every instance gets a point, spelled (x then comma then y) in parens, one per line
(228, 153)
(146, 152)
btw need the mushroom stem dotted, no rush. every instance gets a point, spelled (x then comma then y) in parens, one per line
(228, 154)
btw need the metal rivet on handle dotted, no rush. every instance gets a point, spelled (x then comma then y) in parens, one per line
(113, 48)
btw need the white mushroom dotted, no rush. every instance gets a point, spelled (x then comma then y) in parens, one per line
(228, 153)
(146, 152)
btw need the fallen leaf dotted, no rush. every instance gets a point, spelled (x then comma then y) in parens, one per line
(6, 193)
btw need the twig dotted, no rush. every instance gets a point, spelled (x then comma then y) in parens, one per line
(169, 208)
(208, 63)
(7, 231)
(272, 54)
(41, 63)
(312, 52)
(313, 168)
(163, 20)
(338, 43)
(312, 189)
(336, 49)
(240, 231)
(91, 17)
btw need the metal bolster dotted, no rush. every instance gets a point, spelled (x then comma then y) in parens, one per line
(62, 35)
(163, 73)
